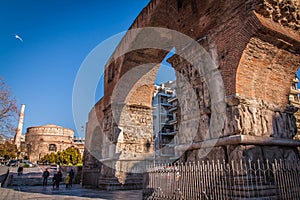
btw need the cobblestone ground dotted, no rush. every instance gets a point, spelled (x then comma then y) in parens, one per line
(76, 192)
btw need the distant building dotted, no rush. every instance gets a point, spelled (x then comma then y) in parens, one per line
(294, 93)
(295, 101)
(42, 140)
(79, 144)
(164, 119)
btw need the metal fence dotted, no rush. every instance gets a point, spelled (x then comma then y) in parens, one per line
(219, 180)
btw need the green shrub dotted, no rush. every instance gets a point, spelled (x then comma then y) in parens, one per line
(70, 156)
(26, 166)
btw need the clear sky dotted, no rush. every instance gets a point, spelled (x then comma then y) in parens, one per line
(57, 36)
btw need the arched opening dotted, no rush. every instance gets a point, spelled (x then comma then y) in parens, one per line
(125, 112)
(133, 85)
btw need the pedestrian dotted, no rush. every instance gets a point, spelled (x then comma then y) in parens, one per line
(67, 180)
(71, 173)
(20, 171)
(58, 166)
(56, 179)
(45, 175)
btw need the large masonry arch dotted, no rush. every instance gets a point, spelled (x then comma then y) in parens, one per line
(254, 56)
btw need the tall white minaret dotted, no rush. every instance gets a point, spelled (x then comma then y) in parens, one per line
(17, 139)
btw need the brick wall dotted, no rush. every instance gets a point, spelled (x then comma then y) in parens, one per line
(266, 72)
(256, 54)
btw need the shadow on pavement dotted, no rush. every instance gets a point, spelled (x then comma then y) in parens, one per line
(78, 191)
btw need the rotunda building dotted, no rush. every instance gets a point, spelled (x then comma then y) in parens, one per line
(42, 140)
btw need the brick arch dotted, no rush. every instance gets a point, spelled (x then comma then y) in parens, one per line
(265, 72)
(230, 36)
(257, 58)
(134, 81)
(141, 96)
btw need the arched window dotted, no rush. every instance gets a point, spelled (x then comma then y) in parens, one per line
(52, 147)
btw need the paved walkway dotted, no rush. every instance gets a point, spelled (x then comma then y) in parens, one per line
(32, 172)
(74, 193)
(26, 192)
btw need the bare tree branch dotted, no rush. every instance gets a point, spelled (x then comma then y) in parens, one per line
(8, 109)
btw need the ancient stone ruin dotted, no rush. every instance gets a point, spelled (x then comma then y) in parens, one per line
(235, 62)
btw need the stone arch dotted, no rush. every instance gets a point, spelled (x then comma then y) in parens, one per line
(138, 71)
(243, 44)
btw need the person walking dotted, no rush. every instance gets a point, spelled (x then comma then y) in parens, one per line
(20, 171)
(56, 179)
(45, 175)
(67, 180)
(71, 173)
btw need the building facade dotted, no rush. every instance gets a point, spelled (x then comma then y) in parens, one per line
(42, 140)
(164, 119)
(295, 101)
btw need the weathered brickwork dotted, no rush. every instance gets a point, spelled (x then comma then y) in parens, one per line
(42, 140)
(253, 48)
(262, 68)
(285, 12)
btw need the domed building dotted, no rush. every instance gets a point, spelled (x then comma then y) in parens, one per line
(42, 140)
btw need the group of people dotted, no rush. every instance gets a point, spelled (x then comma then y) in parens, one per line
(57, 178)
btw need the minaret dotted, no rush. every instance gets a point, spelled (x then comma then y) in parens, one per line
(17, 139)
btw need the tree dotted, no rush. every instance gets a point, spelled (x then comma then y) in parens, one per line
(8, 109)
(69, 156)
(8, 150)
(72, 156)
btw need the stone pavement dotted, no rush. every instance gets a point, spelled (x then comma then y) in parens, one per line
(30, 176)
(74, 193)
(22, 189)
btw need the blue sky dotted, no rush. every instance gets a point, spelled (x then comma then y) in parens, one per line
(57, 36)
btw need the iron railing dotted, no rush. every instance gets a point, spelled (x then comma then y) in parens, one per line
(219, 180)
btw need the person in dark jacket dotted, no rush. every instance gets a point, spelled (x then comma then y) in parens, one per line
(45, 175)
(20, 171)
(71, 173)
(57, 178)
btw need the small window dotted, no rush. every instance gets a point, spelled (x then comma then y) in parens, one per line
(52, 147)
